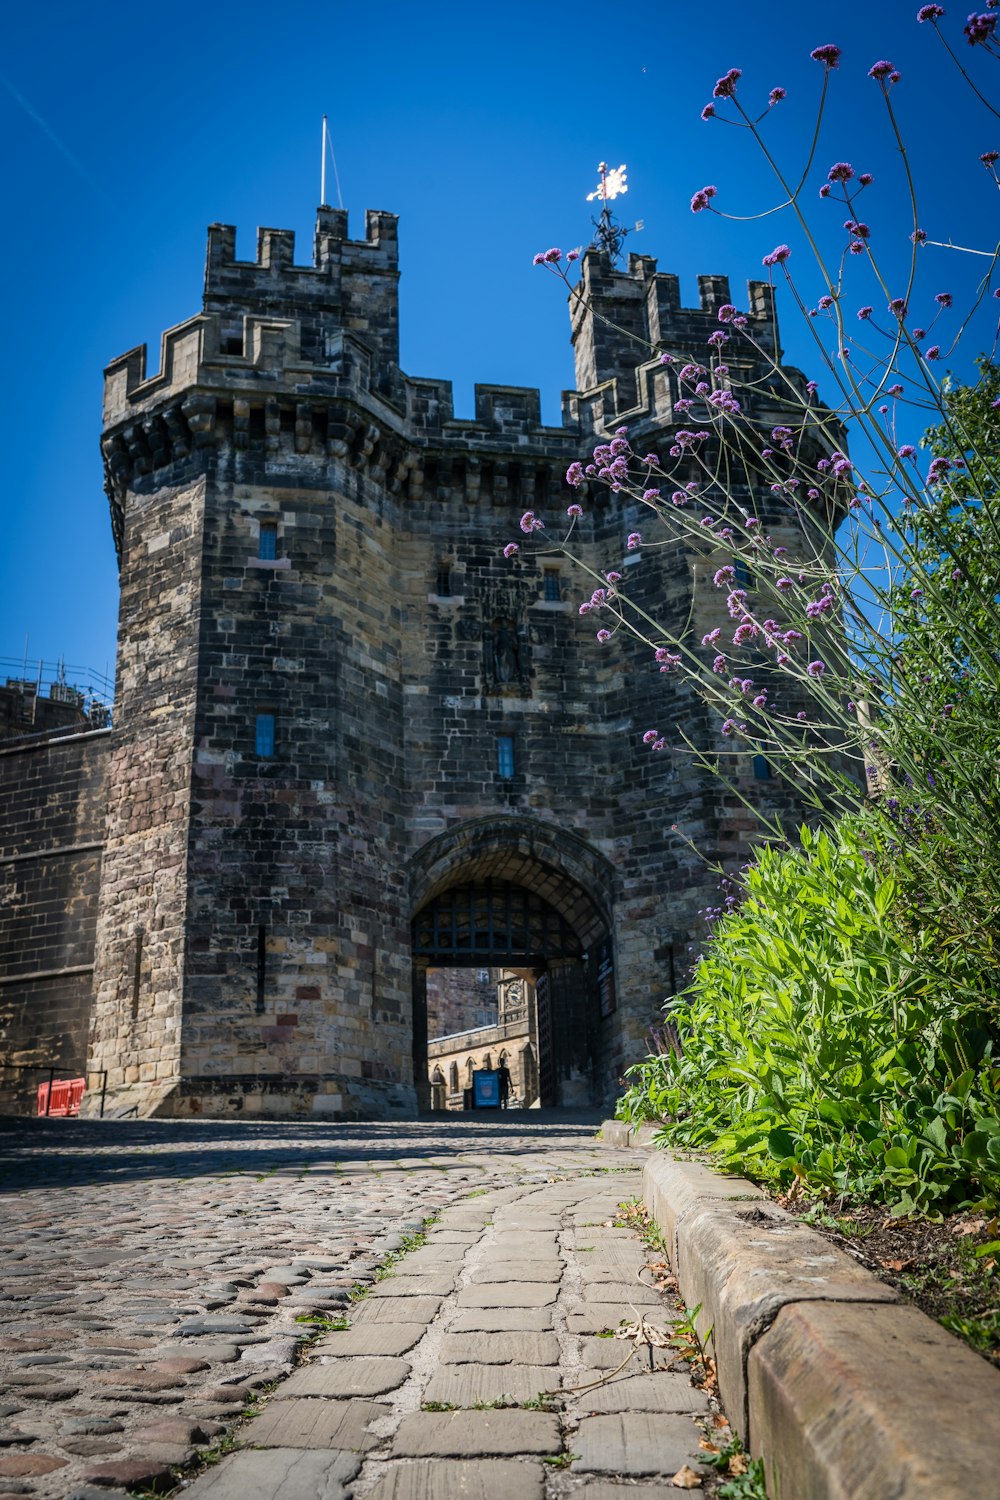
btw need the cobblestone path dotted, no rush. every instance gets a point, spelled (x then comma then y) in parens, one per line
(153, 1275)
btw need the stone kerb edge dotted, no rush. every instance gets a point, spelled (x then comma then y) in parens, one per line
(801, 1334)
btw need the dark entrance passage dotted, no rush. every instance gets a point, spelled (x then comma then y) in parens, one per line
(513, 930)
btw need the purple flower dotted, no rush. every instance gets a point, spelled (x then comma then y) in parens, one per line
(907, 450)
(777, 257)
(701, 199)
(585, 608)
(510, 549)
(760, 701)
(574, 512)
(989, 157)
(634, 541)
(712, 636)
(650, 736)
(865, 312)
(651, 459)
(724, 575)
(603, 635)
(979, 29)
(679, 497)
(539, 259)
(718, 338)
(530, 522)
(776, 95)
(828, 54)
(650, 496)
(816, 668)
(784, 584)
(725, 88)
(708, 521)
(898, 308)
(726, 312)
(572, 255)
(728, 726)
(574, 474)
(866, 179)
(841, 171)
(552, 255)
(719, 664)
(881, 69)
(918, 236)
(708, 112)
(930, 12)
(800, 714)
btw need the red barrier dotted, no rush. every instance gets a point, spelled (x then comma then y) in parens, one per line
(66, 1096)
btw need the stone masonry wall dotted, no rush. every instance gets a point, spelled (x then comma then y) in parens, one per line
(53, 792)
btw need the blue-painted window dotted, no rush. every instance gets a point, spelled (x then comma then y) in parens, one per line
(267, 542)
(550, 585)
(761, 768)
(505, 754)
(742, 578)
(265, 734)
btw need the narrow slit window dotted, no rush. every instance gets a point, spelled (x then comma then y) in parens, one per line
(265, 724)
(505, 755)
(741, 577)
(261, 966)
(442, 584)
(551, 585)
(761, 768)
(140, 933)
(267, 541)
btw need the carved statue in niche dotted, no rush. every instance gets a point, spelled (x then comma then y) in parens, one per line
(506, 647)
(505, 654)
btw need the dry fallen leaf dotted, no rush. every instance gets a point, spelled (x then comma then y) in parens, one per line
(738, 1464)
(686, 1479)
(971, 1226)
(719, 1420)
(895, 1265)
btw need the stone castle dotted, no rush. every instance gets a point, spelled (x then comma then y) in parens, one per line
(351, 742)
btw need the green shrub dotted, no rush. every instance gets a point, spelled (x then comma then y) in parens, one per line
(823, 1041)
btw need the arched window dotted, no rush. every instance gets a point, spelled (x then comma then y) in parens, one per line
(453, 1078)
(488, 1062)
(469, 1065)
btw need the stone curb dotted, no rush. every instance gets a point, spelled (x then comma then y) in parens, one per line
(618, 1133)
(846, 1393)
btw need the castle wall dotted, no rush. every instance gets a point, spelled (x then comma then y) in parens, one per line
(53, 792)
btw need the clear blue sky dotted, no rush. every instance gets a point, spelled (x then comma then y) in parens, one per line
(129, 128)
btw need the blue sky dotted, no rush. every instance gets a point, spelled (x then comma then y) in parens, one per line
(129, 128)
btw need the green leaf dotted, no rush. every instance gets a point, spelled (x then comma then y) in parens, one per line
(780, 1144)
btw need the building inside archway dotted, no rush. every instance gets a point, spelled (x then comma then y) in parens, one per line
(482, 1019)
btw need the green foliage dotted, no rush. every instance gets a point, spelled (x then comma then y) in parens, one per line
(826, 1043)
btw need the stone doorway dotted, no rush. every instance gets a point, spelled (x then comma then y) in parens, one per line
(502, 977)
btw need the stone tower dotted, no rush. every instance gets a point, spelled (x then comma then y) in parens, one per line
(351, 739)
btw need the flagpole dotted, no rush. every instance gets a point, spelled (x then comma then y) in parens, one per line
(322, 170)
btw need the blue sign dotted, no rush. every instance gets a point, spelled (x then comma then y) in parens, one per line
(486, 1089)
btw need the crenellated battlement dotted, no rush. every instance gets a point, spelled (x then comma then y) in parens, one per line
(622, 319)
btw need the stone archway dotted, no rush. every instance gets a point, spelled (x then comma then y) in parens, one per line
(513, 893)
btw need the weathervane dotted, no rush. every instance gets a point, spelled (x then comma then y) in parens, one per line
(610, 234)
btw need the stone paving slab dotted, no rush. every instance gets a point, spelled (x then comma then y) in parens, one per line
(278, 1474)
(508, 1294)
(413, 1286)
(499, 1268)
(371, 1338)
(499, 1349)
(388, 1310)
(608, 1353)
(661, 1391)
(638, 1443)
(467, 1385)
(502, 1320)
(308, 1423)
(345, 1377)
(473, 1434)
(638, 1292)
(457, 1479)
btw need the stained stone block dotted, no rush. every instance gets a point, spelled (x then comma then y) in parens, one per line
(371, 1339)
(390, 1310)
(595, 1317)
(458, 1479)
(499, 1349)
(471, 1434)
(662, 1391)
(502, 1320)
(508, 1294)
(635, 1443)
(345, 1377)
(307, 1423)
(413, 1286)
(497, 1268)
(278, 1474)
(466, 1385)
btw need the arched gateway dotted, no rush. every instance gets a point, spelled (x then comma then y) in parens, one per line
(520, 897)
